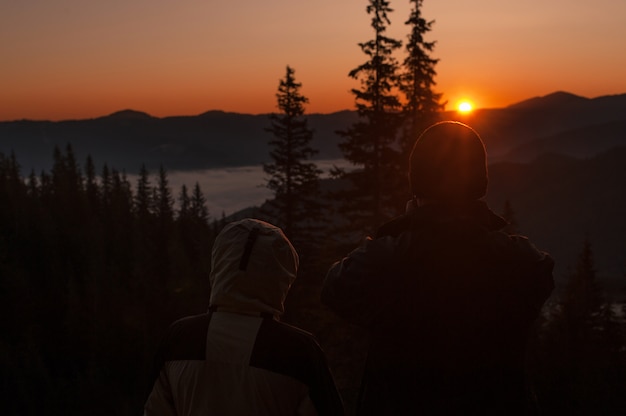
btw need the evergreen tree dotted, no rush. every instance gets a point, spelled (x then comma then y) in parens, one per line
(422, 105)
(105, 178)
(143, 195)
(91, 185)
(198, 208)
(582, 298)
(163, 201)
(33, 186)
(184, 202)
(580, 371)
(294, 181)
(371, 143)
(67, 180)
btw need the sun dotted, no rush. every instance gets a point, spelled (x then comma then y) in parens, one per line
(465, 107)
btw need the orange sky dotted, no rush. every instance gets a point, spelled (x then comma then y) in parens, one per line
(69, 59)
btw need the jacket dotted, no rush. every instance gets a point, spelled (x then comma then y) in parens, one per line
(449, 300)
(238, 359)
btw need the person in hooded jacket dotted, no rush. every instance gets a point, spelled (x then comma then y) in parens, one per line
(238, 359)
(448, 297)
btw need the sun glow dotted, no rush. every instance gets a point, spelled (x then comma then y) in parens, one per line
(465, 107)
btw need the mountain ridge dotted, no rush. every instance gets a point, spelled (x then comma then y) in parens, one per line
(129, 138)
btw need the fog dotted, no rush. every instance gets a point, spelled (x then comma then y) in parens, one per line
(229, 190)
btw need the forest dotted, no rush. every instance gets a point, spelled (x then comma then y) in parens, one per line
(93, 269)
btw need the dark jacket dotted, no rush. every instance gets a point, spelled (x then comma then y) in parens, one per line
(449, 300)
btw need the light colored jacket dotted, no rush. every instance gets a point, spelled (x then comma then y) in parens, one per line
(238, 359)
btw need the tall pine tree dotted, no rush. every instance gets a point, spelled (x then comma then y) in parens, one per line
(198, 208)
(422, 105)
(581, 367)
(371, 143)
(294, 180)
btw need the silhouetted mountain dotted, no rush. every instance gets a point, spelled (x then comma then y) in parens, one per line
(129, 114)
(556, 99)
(558, 200)
(506, 129)
(582, 142)
(129, 138)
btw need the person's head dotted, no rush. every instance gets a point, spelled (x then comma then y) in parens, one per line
(253, 265)
(448, 162)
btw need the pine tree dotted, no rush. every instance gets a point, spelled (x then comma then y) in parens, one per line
(91, 185)
(33, 186)
(163, 201)
(198, 208)
(143, 195)
(294, 181)
(582, 298)
(583, 373)
(184, 203)
(106, 187)
(423, 106)
(371, 143)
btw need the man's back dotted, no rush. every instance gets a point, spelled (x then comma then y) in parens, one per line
(449, 300)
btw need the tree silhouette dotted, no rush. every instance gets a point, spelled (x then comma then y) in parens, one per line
(143, 197)
(198, 209)
(294, 181)
(163, 203)
(422, 105)
(580, 369)
(371, 143)
(184, 203)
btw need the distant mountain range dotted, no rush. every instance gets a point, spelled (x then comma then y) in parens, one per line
(559, 201)
(127, 139)
(559, 122)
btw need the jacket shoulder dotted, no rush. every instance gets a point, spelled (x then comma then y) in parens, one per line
(186, 339)
(518, 246)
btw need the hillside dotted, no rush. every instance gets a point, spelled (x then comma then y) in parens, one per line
(559, 200)
(128, 139)
(506, 129)
(581, 142)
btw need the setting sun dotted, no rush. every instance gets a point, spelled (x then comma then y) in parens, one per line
(465, 106)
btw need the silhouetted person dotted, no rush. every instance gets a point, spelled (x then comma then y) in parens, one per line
(238, 359)
(448, 297)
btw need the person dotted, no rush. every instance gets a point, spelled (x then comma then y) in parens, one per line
(238, 359)
(448, 298)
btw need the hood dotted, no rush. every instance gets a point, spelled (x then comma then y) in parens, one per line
(253, 265)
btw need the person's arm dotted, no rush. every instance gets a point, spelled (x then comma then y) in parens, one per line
(323, 397)
(160, 401)
(356, 288)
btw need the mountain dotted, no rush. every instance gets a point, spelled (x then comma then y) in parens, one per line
(556, 99)
(581, 142)
(507, 129)
(560, 122)
(127, 139)
(560, 200)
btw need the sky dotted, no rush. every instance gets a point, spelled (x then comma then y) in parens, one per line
(73, 59)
